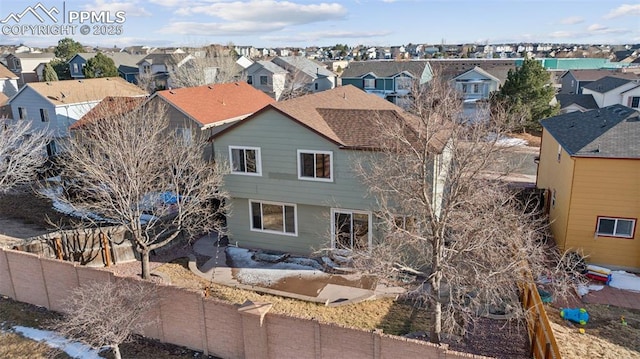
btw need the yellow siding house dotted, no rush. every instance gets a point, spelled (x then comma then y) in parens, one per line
(590, 169)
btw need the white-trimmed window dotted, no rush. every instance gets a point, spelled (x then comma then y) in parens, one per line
(403, 83)
(559, 152)
(616, 227)
(245, 160)
(369, 83)
(75, 67)
(315, 165)
(635, 102)
(44, 115)
(351, 229)
(274, 217)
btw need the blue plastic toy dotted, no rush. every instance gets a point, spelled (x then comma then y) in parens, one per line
(576, 315)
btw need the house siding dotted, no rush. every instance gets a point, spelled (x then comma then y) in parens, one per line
(33, 102)
(279, 138)
(608, 188)
(357, 82)
(558, 176)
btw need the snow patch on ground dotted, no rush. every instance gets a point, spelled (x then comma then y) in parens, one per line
(625, 280)
(259, 273)
(73, 349)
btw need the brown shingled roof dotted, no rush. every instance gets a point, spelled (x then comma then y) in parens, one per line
(594, 75)
(343, 115)
(5, 73)
(216, 103)
(108, 108)
(85, 90)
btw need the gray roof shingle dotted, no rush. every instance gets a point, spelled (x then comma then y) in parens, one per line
(585, 101)
(610, 132)
(606, 84)
(384, 68)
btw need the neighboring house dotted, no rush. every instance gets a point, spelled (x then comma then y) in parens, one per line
(24, 65)
(109, 107)
(54, 106)
(631, 97)
(573, 81)
(576, 102)
(203, 110)
(608, 90)
(476, 84)
(268, 78)
(293, 184)
(158, 68)
(8, 82)
(307, 74)
(391, 80)
(124, 62)
(590, 169)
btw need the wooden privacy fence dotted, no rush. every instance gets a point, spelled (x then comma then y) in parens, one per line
(543, 343)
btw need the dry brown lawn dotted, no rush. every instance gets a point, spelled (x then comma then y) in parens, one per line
(385, 314)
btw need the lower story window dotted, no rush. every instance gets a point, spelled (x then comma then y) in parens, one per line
(616, 227)
(273, 217)
(350, 229)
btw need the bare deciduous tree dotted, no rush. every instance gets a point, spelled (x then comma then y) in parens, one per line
(447, 216)
(106, 314)
(22, 152)
(134, 170)
(218, 65)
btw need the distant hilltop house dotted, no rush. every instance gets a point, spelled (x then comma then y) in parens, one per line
(573, 81)
(54, 106)
(590, 170)
(124, 62)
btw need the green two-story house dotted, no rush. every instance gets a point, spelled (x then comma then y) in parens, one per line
(292, 182)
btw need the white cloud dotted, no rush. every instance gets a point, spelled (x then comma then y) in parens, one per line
(251, 17)
(167, 3)
(319, 35)
(624, 10)
(596, 27)
(269, 11)
(572, 20)
(562, 34)
(131, 8)
(220, 29)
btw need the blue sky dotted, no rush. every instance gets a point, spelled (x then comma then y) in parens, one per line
(274, 23)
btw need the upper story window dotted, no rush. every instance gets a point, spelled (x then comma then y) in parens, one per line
(146, 69)
(616, 227)
(315, 165)
(44, 115)
(403, 83)
(75, 67)
(245, 160)
(22, 113)
(250, 80)
(369, 83)
(559, 152)
(264, 80)
(635, 102)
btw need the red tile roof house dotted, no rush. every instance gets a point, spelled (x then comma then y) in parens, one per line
(205, 110)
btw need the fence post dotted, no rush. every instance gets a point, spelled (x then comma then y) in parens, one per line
(105, 249)
(58, 246)
(254, 330)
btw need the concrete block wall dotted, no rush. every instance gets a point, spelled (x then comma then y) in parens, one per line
(187, 318)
